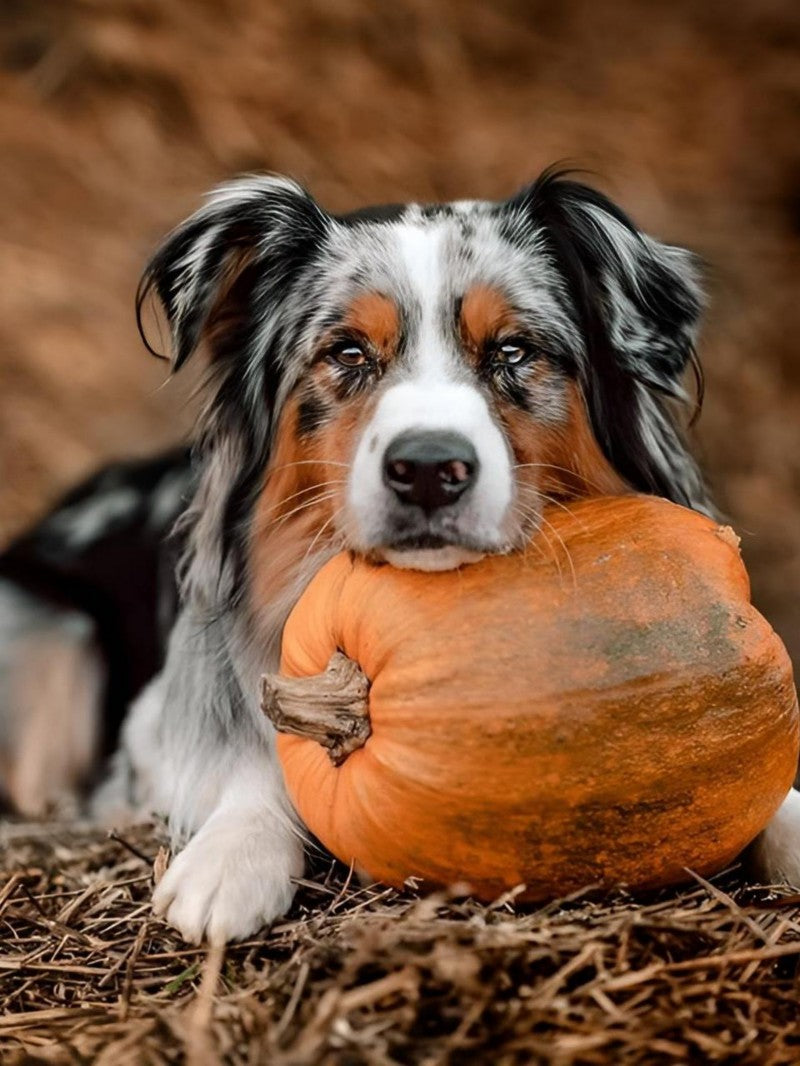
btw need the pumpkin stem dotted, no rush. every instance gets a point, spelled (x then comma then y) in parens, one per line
(331, 708)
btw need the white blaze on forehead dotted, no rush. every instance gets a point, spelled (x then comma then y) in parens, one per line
(420, 252)
(412, 404)
(432, 391)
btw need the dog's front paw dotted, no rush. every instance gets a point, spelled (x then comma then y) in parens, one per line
(774, 856)
(232, 878)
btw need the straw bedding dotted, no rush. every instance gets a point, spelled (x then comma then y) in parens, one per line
(368, 975)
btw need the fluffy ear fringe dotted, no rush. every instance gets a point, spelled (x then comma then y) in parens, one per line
(639, 302)
(650, 292)
(264, 219)
(221, 278)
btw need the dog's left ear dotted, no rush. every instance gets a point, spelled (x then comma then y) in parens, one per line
(639, 303)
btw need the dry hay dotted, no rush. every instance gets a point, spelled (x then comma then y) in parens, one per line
(370, 975)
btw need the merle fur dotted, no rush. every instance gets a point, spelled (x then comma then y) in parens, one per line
(609, 376)
(123, 578)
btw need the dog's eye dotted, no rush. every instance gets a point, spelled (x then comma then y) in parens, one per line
(351, 356)
(513, 352)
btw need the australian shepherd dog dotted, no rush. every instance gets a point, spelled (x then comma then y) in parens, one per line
(409, 382)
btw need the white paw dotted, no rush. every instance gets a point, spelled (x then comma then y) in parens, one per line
(775, 854)
(233, 878)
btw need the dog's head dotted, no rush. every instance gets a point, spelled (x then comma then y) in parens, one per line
(415, 382)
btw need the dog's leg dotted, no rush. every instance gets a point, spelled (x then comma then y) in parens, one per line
(775, 854)
(195, 750)
(235, 874)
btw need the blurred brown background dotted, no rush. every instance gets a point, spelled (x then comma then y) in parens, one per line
(117, 114)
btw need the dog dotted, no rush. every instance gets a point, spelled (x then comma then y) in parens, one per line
(412, 383)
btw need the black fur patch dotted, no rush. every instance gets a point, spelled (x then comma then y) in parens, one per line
(312, 413)
(122, 576)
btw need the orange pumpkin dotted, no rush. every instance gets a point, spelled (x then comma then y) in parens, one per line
(606, 707)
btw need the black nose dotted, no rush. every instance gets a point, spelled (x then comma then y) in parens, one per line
(429, 468)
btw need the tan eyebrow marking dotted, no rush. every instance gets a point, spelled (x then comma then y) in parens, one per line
(377, 317)
(484, 313)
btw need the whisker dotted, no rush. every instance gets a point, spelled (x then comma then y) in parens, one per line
(532, 513)
(320, 531)
(567, 552)
(567, 510)
(551, 499)
(308, 488)
(563, 470)
(541, 495)
(533, 516)
(303, 507)
(541, 532)
(308, 462)
(525, 517)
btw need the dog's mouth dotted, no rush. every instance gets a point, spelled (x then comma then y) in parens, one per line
(441, 529)
(423, 540)
(442, 539)
(434, 551)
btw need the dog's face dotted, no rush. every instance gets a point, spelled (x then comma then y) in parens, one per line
(434, 378)
(415, 383)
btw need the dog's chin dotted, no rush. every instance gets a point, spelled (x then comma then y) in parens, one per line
(448, 557)
(432, 551)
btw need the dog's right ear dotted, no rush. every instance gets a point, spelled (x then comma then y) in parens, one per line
(222, 278)
(261, 227)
